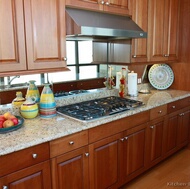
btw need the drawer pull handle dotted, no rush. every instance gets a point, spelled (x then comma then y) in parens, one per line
(5, 187)
(86, 154)
(34, 156)
(182, 114)
(166, 55)
(173, 107)
(71, 142)
(152, 127)
(126, 138)
(160, 111)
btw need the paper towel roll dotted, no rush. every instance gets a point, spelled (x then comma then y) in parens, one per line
(132, 84)
(118, 77)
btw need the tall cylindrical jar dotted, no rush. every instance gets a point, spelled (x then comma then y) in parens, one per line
(33, 91)
(47, 103)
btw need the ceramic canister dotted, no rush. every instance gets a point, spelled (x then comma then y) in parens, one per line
(47, 103)
(33, 91)
(29, 109)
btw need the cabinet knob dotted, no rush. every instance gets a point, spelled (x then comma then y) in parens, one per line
(86, 154)
(173, 107)
(5, 187)
(71, 142)
(166, 55)
(107, 3)
(102, 2)
(34, 156)
(126, 138)
(122, 139)
(152, 127)
(65, 58)
(134, 56)
(160, 111)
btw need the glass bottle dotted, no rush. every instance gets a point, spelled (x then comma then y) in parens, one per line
(47, 102)
(33, 91)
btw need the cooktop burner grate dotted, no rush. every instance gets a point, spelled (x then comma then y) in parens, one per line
(98, 108)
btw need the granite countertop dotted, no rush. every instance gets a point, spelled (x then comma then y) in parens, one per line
(38, 130)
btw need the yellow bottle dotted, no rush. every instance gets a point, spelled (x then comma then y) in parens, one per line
(18, 101)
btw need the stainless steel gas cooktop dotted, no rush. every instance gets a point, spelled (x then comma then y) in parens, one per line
(98, 108)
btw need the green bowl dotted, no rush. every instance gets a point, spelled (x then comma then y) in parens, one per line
(13, 128)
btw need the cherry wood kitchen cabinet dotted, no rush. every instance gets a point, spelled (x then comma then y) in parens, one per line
(111, 6)
(117, 158)
(163, 20)
(155, 135)
(104, 163)
(37, 176)
(139, 11)
(69, 161)
(70, 170)
(32, 35)
(28, 168)
(133, 152)
(178, 126)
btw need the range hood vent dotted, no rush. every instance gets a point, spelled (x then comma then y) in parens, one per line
(99, 25)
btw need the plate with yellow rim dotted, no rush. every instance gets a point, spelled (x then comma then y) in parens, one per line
(161, 76)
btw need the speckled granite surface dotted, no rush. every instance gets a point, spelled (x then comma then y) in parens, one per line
(38, 130)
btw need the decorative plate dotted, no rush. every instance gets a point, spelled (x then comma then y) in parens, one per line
(161, 76)
(13, 128)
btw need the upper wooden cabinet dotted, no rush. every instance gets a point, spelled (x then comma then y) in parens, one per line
(163, 30)
(139, 9)
(32, 35)
(112, 6)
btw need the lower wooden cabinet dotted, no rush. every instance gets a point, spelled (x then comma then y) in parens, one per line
(177, 130)
(104, 162)
(132, 153)
(117, 159)
(155, 134)
(34, 177)
(70, 170)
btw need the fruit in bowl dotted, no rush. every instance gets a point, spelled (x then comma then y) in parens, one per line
(8, 120)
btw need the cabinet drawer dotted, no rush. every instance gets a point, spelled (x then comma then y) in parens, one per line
(176, 105)
(158, 112)
(68, 143)
(24, 158)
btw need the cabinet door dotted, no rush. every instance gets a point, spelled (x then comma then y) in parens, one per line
(171, 25)
(156, 30)
(140, 16)
(104, 163)
(171, 133)
(70, 170)
(112, 6)
(163, 30)
(183, 128)
(37, 176)
(86, 4)
(115, 6)
(12, 37)
(133, 160)
(154, 142)
(45, 33)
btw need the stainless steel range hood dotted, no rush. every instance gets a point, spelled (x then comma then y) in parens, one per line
(99, 25)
